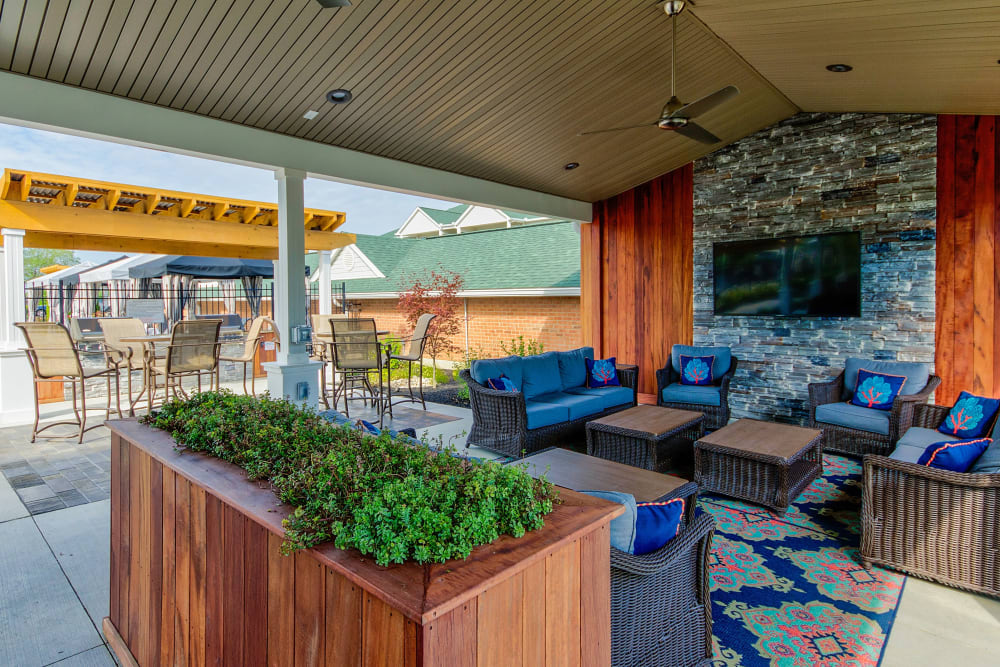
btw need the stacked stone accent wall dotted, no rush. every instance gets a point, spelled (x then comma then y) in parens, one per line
(819, 173)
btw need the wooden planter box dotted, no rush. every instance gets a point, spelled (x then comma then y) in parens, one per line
(197, 578)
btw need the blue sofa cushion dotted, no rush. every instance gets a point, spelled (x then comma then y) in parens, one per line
(907, 453)
(970, 416)
(573, 366)
(545, 414)
(852, 416)
(656, 524)
(920, 437)
(602, 373)
(622, 527)
(540, 374)
(578, 405)
(686, 393)
(916, 373)
(989, 462)
(723, 357)
(955, 455)
(610, 397)
(697, 370)
(877, 390)
(484, 369)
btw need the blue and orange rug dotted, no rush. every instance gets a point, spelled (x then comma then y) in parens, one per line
(787, 590)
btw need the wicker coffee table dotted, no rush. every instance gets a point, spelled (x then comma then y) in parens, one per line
(761, 462)
(632, 436)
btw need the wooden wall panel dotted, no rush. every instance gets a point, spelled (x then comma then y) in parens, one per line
(968, 217)
(636, 269)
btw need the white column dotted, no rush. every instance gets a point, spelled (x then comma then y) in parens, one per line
(293, 375)
(325, 287)
(15, 374)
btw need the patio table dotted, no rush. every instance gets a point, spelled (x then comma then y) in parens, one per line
(633, 436)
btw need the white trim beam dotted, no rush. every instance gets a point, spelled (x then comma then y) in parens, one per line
(482, 293)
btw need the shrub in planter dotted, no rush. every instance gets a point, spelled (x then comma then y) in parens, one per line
(391, 499)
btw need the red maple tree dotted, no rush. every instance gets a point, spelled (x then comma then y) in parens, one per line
(435, 292)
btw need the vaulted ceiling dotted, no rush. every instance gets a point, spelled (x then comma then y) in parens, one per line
(501, 90)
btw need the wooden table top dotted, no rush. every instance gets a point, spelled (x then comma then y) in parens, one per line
(326, 336)
(150, 338)
(580, 472)
(770, 438)
(651, 419)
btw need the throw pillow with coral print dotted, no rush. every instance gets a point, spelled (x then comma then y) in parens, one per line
(697, 370)
(971, 416)
(877, 390)
(602, 373)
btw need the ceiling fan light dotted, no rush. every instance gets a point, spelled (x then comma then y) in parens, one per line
(674, 7)
(672, 123)
(339, 96)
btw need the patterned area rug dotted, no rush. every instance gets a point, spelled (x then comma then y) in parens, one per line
(787, 590)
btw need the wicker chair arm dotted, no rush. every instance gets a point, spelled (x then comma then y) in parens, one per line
(874, 462)
(928, 415)
(629, 377)
(727, 377)
(901, 417)
(702, 528)
(662, 379)
(496, 407)
(821, 393)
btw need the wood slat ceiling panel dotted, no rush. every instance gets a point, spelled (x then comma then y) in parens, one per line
(923, 56)
(498, 90)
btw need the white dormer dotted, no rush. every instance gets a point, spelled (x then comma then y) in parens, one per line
(349, 263)
(481, 217)
(419, 224)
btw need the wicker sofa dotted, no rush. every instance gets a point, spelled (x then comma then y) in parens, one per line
(552, 403)
(934, 524)
(712, 401)
(856, 431)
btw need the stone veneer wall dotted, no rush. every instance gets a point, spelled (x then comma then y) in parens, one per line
(818, 173)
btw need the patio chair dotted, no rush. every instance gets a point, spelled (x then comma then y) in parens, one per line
(128, 356)
(415, 346)
(355, 354)
(855, 431)
(250, 345)
(193, 352)
(711, 400)
(319, 350)
(661, 614)
(54, 358)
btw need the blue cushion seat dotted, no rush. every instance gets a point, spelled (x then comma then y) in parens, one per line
(573, 366)
(610, 397)
(577, 404)
(916, 374)
(545, 414)
(723, 357)
(989, 462)
(913, 443)
(853, 416)
(511, 367)
(689, 393)
(540, 374)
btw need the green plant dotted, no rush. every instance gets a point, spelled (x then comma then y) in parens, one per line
(385, 497)
(521, 347)
(472, 354)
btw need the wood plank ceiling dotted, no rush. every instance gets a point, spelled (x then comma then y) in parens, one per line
(497, 90)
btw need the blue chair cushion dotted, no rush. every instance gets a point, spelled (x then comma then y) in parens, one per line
(877, 390)
(573, 367)
(501, 383)
(954, 455)
(610, 397)
(723, 357)
(602, 373)
(686, 393)
(545, 414)
(971, 416)
(907, 453)
(697, 370)
(578, 405)
(369, 427)
(852, 416)
(334, 416)
(920, 437)
(540, 374)
(917, 374)
(622, 527)
(656, 524)
(989, 462)
(484, 369)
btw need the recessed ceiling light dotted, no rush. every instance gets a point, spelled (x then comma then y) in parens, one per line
(330, 4)
(839, 68)
(309, 115)
(571, 166)
(339, 96)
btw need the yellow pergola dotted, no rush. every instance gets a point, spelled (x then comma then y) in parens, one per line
(66, 212)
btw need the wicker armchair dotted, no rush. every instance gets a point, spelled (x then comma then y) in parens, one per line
(856, 442)
(500, 418)
(715, 416)
(933, 524)
(661, 613)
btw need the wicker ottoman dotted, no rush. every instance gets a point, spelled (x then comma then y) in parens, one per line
(760, 462)
(632, 436)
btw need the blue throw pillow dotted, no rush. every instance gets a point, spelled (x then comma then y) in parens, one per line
(368, 426)
(877, 390)
(971, 416)
(697, 370)
(954, 455)
(602, 373)
(622, 527)
(501, 383)
(656, 524)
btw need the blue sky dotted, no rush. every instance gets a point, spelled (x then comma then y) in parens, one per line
(369, 211)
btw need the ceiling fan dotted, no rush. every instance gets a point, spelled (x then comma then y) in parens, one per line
(677, 116)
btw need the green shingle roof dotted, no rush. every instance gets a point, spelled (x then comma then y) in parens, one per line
(534, 256)
(449, 217)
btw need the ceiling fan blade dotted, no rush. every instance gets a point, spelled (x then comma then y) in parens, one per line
(617, 129)
(698, 133)
(707, 103)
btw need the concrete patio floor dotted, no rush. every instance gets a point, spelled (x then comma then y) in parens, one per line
(54, 586)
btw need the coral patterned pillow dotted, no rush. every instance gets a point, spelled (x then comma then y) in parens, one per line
(697, 370)
(602, 373)
(971, 416)
(877, 390)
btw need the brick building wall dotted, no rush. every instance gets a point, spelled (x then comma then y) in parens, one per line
(553, 321)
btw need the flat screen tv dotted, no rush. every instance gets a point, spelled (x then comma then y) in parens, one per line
(798, 276)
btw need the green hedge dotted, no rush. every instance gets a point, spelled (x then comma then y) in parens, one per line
(384, 497)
